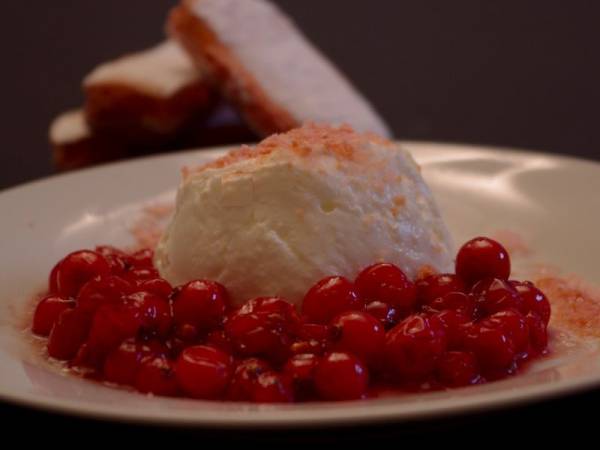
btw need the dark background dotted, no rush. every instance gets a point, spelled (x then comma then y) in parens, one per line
(513, 73)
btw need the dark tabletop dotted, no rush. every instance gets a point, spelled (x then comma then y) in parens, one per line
(511, 73)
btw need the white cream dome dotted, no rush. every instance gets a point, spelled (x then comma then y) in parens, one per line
(313, 202)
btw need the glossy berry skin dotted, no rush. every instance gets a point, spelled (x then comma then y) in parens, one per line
(513, 323)
(154, 312)
(138, 275)
(493, 295)
(68, 334)
(273, 387)
(156, 375)
(491, 345)
(200, 304)
(78, 268)
(255, 335)
(538, 333)
(314, 331)
(455, 369)
(413, 347)
(245, 377)
(301, 367)
(454, 301)
(341, 376)
(311, 338)
(47, 312)
(142, 259)
(220, 340)
(454, 324)
(358, 333)
(102, 290)
(534, 300)
(386, 283)
(134, 313)
(263, 327)
(117, 260)
(330, 297)
(52, 279)
(122, 364)
(482, 258)
(435, 286)
(111, 324)
(156, 286)
(203, 371)
(386, 314)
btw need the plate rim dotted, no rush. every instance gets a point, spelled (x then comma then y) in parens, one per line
(377, 413)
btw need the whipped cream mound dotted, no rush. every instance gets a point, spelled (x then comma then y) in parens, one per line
(316, 201)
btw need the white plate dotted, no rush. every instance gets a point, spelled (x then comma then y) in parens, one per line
(545, 198)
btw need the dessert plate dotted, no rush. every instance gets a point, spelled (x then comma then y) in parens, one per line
(546, 199)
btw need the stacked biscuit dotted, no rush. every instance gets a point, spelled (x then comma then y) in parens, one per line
(232, 71)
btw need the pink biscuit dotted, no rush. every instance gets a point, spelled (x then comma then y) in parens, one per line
(266, 68)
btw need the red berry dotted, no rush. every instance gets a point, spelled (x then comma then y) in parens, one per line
(312, 338)
(454, 323)
(435, 286)
(538, 333)
(156, 375)
(534, 300)
(386, 314)
(154, 312)
(330, 297)
(413, 347)
(455, 301)
(272, 387)
(254, 335)
(203, 371)
(138, 275)
(275, 308)
(514, 325)
(341, 376)
(142, 259)
(491, 345)
(200, 304)
(359, 333)
(68, 333)
(482, 258)
(52, 279)
(493, 295)
(156, 286)
(47, 312)
(136, 312)
(301, 367)
(78, 268)
(102, 290)
(118, 260)
(387, 283)
(122, 363)
(220, 340)
(456, 369)
(263, 327)
(314, 331)
(244, 379)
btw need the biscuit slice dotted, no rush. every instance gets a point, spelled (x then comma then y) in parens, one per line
(266, 68)
(74, 145)
(147, 96)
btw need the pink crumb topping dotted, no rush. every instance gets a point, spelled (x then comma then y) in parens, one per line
(575, 304)
(149, 226)
(340, 142)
